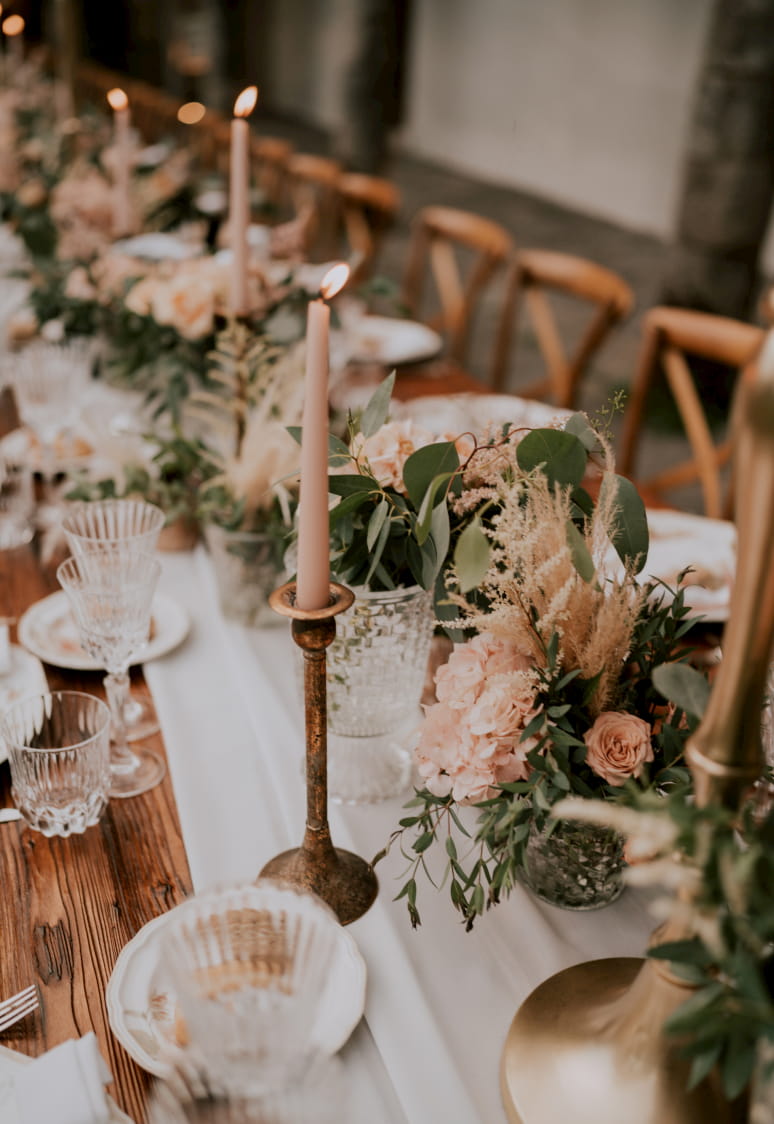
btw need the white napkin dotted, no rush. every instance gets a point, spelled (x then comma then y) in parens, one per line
(65, 1085)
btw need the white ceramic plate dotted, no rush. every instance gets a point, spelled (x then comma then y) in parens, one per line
(26, 677)
(391, 341)
(10, 1060)
(142, 1017)
(456, 413)
(677, 540)
(49, 631)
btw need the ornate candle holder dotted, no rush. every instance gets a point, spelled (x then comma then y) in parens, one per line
(345, 881)
(588, 1044)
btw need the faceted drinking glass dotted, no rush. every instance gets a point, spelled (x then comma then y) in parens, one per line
(111, 596)
(58, 749)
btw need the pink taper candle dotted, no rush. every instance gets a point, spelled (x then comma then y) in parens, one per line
(239, 199)
(122, 201)
(313, 578)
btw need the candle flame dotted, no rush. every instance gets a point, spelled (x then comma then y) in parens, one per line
(13, 25)
(334, 280)
(191, 113)
(245, 103)
(117, 99)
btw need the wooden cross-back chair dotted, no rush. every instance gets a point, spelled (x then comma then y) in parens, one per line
(535, 275)
(670, 336)
(312, 189)
(369, 205)
(441, 239)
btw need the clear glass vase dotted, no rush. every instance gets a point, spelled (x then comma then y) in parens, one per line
(376, 673)
(248, 566)
(575, 866)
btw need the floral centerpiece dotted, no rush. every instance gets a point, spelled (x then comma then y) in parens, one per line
(553, 693)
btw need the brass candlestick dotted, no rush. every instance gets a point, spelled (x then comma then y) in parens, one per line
(588, 1044)
(345, 881)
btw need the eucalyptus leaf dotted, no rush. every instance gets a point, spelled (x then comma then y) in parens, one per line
(429, 505)
(376, 522)
(424, 465)
(471, 556)
(684, 686)
(440, 536)
(578, 425)
(378, 550)
(630, 535)
(579, 552)
(348, 483)
(562, 455)
(375, 413)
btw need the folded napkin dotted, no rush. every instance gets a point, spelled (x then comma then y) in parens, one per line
(65, 1085)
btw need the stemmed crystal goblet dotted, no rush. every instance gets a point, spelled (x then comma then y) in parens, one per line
(49, 381)
(118, 526)
(111, 594)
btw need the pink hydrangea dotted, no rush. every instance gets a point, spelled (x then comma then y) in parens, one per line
(470, 739)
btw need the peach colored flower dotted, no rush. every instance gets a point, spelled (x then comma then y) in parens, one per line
(470, 740)
(140, 297)
(79, 285)
(387, 450)
(618, 745)
(187, 303)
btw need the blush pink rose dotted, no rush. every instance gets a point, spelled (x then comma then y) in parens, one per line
(387, 450)
(618, 745)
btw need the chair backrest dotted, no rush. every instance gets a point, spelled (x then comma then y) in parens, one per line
(312, 183)
(369, 205)
(669, 337)
(533, 276)
(460, 252)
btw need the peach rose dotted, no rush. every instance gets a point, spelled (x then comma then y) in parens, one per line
(187, 304)
(618, 745)
(387, 450)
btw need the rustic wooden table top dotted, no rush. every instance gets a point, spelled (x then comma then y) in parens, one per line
(68, 906)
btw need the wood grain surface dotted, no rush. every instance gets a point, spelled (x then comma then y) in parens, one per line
(68, 906)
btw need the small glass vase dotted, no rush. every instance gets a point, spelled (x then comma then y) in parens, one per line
(575, 866)
(248, 566)
(376, 672)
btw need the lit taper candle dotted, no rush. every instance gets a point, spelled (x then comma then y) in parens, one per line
(313, 578)
(239, 206)
(122, 169)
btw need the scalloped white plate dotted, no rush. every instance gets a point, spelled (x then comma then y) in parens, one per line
(49, 631)
(392, 341)
(142, 1017)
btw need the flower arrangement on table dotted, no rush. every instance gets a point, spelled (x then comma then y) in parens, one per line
(553, 693)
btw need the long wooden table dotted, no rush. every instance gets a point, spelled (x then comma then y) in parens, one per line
(68, 906)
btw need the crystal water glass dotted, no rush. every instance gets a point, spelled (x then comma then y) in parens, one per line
(49, 382)
(111, 595)
(247, 966)
(17, 504)
(59, 753)
(118, 525)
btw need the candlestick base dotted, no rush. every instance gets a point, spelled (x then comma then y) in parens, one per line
(344, 881)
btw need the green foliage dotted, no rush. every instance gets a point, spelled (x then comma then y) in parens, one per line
(730, 957)
(381, 537)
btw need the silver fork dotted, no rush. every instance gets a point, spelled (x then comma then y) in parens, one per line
(15, 1008)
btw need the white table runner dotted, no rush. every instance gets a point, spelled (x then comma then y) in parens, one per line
(439, 1000)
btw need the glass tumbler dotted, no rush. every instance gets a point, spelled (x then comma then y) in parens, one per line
(58, 748)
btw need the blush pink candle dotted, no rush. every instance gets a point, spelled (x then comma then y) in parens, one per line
(313, 578)
(122, 124)
(239, 197)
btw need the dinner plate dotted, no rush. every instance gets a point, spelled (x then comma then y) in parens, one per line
(25, 677)
(392, 341)
(10, 1061)
(48, 630)
(142, 1013)
(677, 540)
(458, 413)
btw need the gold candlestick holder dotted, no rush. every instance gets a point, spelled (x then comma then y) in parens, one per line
(588, 1044)
(343, 880)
